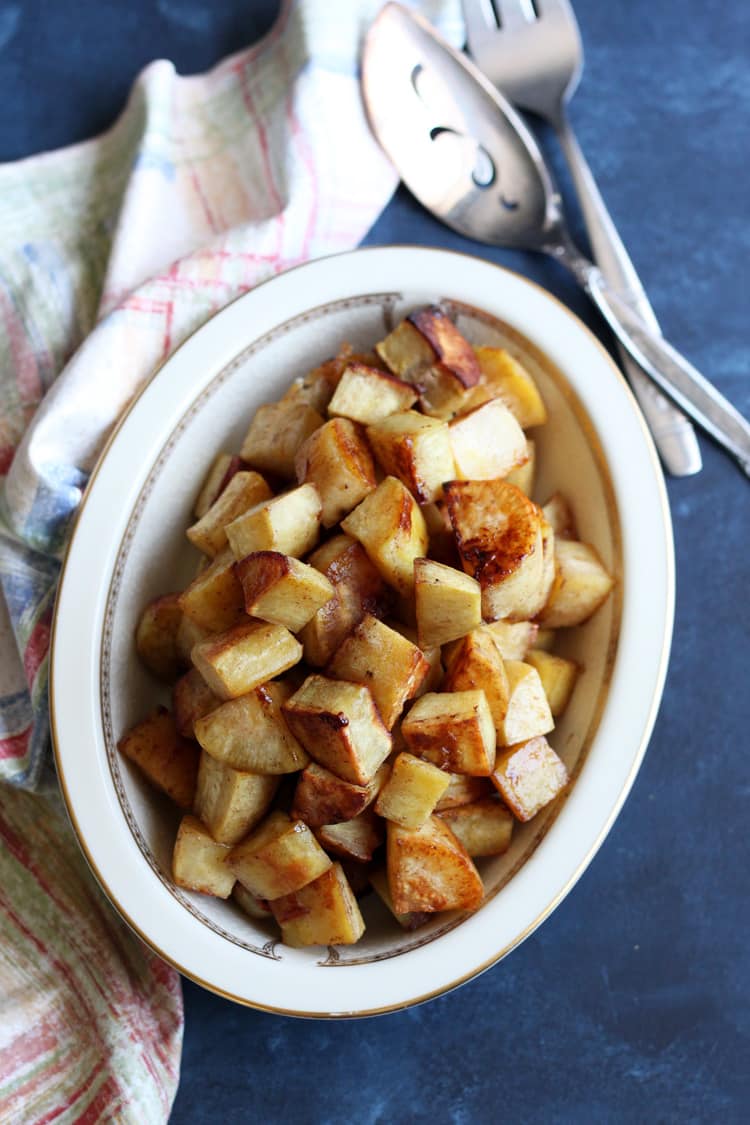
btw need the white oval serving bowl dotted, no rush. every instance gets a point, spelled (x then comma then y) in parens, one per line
(129, 545)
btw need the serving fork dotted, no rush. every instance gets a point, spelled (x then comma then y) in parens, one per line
(531, 50)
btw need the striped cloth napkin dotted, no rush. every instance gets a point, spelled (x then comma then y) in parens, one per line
(111, 253)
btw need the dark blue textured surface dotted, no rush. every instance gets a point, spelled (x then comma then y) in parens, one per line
(631, 1002)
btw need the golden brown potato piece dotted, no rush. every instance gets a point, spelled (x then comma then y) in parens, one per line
(476, 665)
(258, 908)
(231, 802)
(156, 636)
(384, 661)
(169, 761)
(416, 449)
(289, 523)
(325, 912)
(513, 640)
(339, 726)
(427, 350)
(356, 839)
(391, 528)
(453, 730)
(276, 433)
(280, 857)
(524, 476)
(487, 442)
(484, 828)
(581, 584)
(235, 662)
(323, 798)
(528, 776)
(250, 733)
(223, 468)
(315, 389)
(431, 653)
(448, 603)
(189, 633)
(213, 601)
(499, 537)
(464, 790)
(198, 862)
(338, 461)
(192, 698)
(282, 590)
(504, 377)
(559, 514)
(429, 869)
(410, 921)
(411, 792)
(244, 491)
(558, 677)
(367, 395)
(528, 713)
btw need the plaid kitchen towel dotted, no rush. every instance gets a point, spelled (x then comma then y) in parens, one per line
(111, 253)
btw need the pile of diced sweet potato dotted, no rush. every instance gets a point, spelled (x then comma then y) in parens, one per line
(362, 677)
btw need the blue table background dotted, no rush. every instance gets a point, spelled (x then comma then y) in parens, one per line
(631, 1002)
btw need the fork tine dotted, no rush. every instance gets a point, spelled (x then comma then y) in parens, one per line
(479, 17)
(515, 13)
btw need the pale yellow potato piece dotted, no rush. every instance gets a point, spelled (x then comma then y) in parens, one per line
(427, 350)
(416, 449)
(453, 730)
(356, 839)
(199, 862)
(321, 797)
(189, 633)
(476, 665)
(340, 727)
(429, 869)
(281, 589)
(411, 792)
(559, 514)
(234, 662)
(156, 636)
(325, 912)
(250, 733)
(167, 760)
(431, 653)
(213, 600)
(221, 466)
(391, 528)
(368, 395)
(383, 660)
(192, 698)
(412, 919)
(315, 389)
(244, 491)
(528, 713)
(289, 523)
(524, 476)
(280, 857)
(276, 433)
(581, 584)
(448, 602)
(464, 790)
(337, 460)
(487, 442)
(231, 802)
(558, 677)
(503, 376)
(528, 776)
(257, 908)
(513, 639)
(484, 827)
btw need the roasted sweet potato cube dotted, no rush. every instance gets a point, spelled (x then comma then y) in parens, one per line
(315, 389)
(581, 584)
(484, 828)
(431, 653)
(339, 726)
(169, 761)
(156, 636)
(524, 476)
(338, 461)
(281, 589)
(528, 776)
(499, 537)
(257, 908)
(513, 640)
(321, 797)
(453, 730)
(356, 839)
(192, 698)
(244, 491)
(411, 792)
(199, 862)
(559, 514)
(276, 433)
(476, 664)
(505, 377)
(448, 602)
(223, 468)
(231, 802)
(464, 790)
(367, 395)
(427, 350)
(384, 661)
(528, 713)
(250, 733)
(289, 523)
(391, 528)
(280, 857)
(412, 919)
(213, 600)
(429, 869)
(325, 912)
(558, 677)
(234, 662)
(416, 449)
(487, 442)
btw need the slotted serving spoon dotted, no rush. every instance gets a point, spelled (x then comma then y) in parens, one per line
(467, 156)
